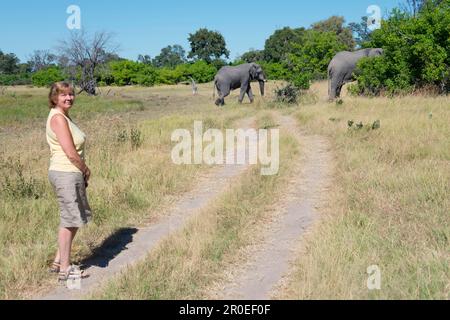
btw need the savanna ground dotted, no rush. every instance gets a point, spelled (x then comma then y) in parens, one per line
(389, 204)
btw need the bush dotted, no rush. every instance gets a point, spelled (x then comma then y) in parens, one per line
(276, 71)
(15, 79)
(378, 75)
(46, 77)
(417, 53)
(312, 57)
(201, 71)
(126, 72)
(288, 94)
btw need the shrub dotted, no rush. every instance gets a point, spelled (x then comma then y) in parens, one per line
(417, 53)
(276, 71)
(46, 77)
(288, 94)
(201, 71)
(15, 79)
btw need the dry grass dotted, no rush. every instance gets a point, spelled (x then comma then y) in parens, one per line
(390, 206)
(133, 179)
(188, 262)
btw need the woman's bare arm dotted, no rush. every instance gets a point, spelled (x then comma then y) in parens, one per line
(60, 127)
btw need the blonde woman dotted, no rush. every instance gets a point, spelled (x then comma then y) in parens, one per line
(68, 174)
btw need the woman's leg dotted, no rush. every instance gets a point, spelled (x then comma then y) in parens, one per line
(58, 254)
(65, 239)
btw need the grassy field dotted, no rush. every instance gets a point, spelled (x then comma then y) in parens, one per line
(128, 151)
(189, 261)
(389, 204)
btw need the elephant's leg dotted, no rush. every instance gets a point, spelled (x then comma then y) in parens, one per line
(332, 91)
(250, 94)
(338, 90)
(244, 89)
(223, 92)
(335, 85)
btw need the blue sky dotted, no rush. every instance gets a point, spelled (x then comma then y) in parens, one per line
(147, 26)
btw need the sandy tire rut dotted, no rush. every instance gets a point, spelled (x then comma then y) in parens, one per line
(266, 264)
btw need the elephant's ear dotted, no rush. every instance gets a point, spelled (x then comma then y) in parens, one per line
(253, 71)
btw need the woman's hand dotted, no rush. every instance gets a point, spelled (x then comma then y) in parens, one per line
(87, 176)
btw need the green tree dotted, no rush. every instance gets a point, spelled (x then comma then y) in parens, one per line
(279, 45)
(200, 71)
(361, 31)
(252, 56)
(145, 59)
(47, 76)
(417, 52)
(9, 63)
(170, 57)
(311, 58)
(207, 45)
(335, 25)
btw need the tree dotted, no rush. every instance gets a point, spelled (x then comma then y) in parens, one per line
(8, 63)
(145, 59)
(170, 57)
(361, 30)
(85, 54)
(412, 7)
(46, 76)
(253, 56)
(41, 59)
(310, 59)
(335, 25)
(207, 45)
(417, 53)
(279, 45)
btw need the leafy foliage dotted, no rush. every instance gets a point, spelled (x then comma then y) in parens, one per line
(46, 77)
(252, 56)
(128, 72)
(170, 57)
(417, 53)
(335, 24)
(8, 63)
(279, 45)
(207, 45)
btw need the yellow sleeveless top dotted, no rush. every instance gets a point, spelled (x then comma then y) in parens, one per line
(59, 160)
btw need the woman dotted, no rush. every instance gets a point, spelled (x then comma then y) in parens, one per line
(68, 173)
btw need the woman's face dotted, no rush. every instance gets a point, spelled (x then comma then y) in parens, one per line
(66, 100)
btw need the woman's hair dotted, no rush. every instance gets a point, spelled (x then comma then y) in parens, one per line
(56, 89)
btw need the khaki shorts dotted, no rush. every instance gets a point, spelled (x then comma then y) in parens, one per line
(70, 190)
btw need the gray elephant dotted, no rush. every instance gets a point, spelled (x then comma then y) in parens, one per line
(341, 68)
(231, 78)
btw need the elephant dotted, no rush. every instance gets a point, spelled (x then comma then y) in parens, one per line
(341, 68)
(231, 78)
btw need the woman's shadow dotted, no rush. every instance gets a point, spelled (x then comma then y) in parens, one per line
(110, 248)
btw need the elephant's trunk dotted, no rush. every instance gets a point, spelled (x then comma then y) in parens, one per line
(261, 87)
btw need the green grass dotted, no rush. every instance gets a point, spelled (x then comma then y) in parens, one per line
(16, 109)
